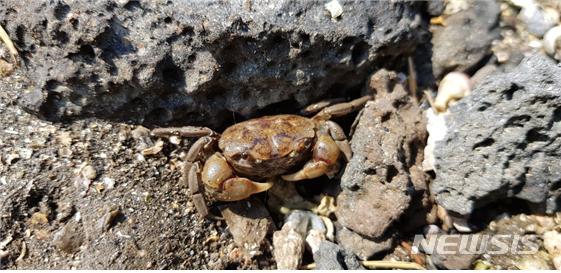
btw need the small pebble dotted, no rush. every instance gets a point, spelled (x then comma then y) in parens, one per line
(538, 20)
(65, 152)
(455, 6)
(39, 218)
(4, 254)
(64, 138)
(552, 42)
(552, 243)
(175, 140)
(288, 248)
(454, 86)
(314, 239)
(431, 230)
(140, 132)
(154, 149)
(482, 265)
(109, 219)
(11, 158)
(436, 127)
(6, 68)
(69, 238)
(335, 9)
(533, 262)
(109, 183)
(88, 172)
(26, 153)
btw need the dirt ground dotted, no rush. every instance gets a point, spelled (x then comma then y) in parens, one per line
(132, 215)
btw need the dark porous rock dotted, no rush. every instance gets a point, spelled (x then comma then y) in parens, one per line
(330, 256)
(388, 141)
(198, 61)
(504, 141)
(466, 39)
(250, 223)
(363, 248)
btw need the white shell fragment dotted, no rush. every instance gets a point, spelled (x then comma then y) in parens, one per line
(455, 6)
(552, 243)
(154, 149)
(552, 42)
(175, 140)
(436, 127)
(454, 86)
(316, 233)
(288, 248)
(334, 8)
(108, 183)
(461, 224)
(88, 172)
(289, 243)
(314, 239)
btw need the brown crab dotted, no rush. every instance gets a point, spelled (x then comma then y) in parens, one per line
(253, 153)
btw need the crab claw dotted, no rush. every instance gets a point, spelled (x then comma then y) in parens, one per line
(323, 162)
(239, 188)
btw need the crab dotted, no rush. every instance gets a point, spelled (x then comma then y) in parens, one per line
(248, 157)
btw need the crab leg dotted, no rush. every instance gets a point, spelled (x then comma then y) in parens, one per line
(239, 188)
(193, 179)
(187, 131)
(217, 175)
(195, 151)
(338, 135)
(341, 109)
(311, 169)
(191, 172)
(318, 106)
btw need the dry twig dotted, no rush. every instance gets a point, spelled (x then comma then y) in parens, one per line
(9, 44)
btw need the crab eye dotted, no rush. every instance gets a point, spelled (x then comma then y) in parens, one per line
(242, 156)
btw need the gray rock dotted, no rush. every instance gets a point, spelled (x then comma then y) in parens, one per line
(537, 20)
(503, 141)
(377, 184)
(250, 223)
(435, 7)
(330, 256)
(112, 217)
(466, 39)
(362, 247)
(351, 262)
(198, 61)
(454, 260)
(69, 238)
(419, 212)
